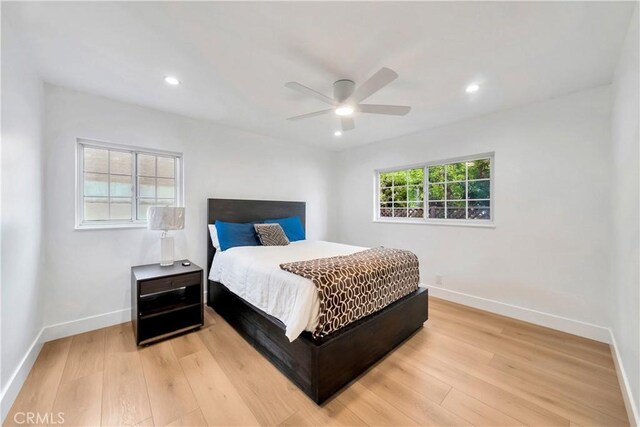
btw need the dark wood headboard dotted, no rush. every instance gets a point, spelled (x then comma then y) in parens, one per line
(232, 210)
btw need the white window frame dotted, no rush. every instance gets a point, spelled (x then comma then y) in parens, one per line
(80, 223)
(436, 221)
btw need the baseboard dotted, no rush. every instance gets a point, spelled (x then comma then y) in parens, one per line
(625, 388)
(49, 333)
(564, 324)
(73, 327)
(17, 379)
(571, 326)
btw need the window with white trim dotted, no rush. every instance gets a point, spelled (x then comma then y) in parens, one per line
(451, 191)
(117, 184)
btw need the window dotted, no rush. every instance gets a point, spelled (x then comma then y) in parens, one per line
(454, 191)
(117, 184)
(402, 193)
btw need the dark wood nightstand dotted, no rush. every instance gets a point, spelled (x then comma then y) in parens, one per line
(165, 300)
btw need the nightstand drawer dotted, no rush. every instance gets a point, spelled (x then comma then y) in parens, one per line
(169, 283)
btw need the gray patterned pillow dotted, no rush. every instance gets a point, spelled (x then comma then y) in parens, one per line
(271, 235)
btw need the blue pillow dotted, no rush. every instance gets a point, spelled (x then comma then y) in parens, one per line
(232, 234)
(292, 227)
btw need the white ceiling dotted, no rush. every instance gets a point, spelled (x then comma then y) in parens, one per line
(234, 58)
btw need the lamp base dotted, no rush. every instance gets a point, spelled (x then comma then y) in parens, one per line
(166, 250)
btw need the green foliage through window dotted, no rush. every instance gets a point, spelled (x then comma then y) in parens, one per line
(459, 190)
(402, 193)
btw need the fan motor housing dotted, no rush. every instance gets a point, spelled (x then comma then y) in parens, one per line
(343, 89)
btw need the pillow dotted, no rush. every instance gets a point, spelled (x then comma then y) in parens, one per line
(292, 227)
(214, 236)
(271, 235)
(232, 234)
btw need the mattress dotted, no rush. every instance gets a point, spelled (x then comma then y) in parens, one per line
(254, 274)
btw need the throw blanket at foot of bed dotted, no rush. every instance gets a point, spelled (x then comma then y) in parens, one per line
(354, 286)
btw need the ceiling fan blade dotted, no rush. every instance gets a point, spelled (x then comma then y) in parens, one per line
(309, 115)
(376, 82)
(308, 91)
(347, 123)
(394, 110)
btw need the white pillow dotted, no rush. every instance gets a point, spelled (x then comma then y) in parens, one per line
(214, 236)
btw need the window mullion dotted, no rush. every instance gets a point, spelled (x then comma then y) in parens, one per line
(393, 197)
(134, 186)
(155, 182)
(81, 185)
(446, 186)
(425, 195)
(109, 184)
(406, 195)
(466, 190)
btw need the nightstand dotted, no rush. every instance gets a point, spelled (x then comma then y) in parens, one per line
(165, 300)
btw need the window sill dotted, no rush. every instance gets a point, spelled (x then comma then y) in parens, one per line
(466, 223)
(108, 226)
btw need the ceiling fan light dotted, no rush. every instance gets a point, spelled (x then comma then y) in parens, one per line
(344, 110)
(171, 80)
(472, 88)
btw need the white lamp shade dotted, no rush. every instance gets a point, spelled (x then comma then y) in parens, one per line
(163, 218)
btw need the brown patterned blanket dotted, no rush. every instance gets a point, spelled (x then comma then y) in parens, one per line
(353, 286)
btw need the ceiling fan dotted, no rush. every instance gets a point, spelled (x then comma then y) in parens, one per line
(346, 98)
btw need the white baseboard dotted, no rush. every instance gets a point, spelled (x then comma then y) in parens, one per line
(623, 380)
(564, 324)
(11, 390)
(571, 326)
(49, 333)
(73, 327)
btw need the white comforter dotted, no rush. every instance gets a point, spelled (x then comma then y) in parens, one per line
(254, 274)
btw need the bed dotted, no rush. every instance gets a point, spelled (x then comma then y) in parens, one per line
(318, 366)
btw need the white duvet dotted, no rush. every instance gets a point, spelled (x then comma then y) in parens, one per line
(254, 274)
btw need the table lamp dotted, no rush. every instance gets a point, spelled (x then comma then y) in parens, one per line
(165, 219)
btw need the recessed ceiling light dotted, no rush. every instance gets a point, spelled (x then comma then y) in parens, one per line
(171, 81)
(344, 110)
(337, 133)
(472, 88)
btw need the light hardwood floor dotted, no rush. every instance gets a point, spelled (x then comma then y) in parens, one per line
(465, 367)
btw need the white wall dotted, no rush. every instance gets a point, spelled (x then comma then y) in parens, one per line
(626, 201)
(549, 249)
(22, 206)
(89, 271)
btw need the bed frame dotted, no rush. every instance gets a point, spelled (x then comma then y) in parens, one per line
(319, 367)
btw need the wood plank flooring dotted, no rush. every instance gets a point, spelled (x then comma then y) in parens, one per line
(465, 367)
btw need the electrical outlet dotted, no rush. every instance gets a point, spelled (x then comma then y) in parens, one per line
(438, 279)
